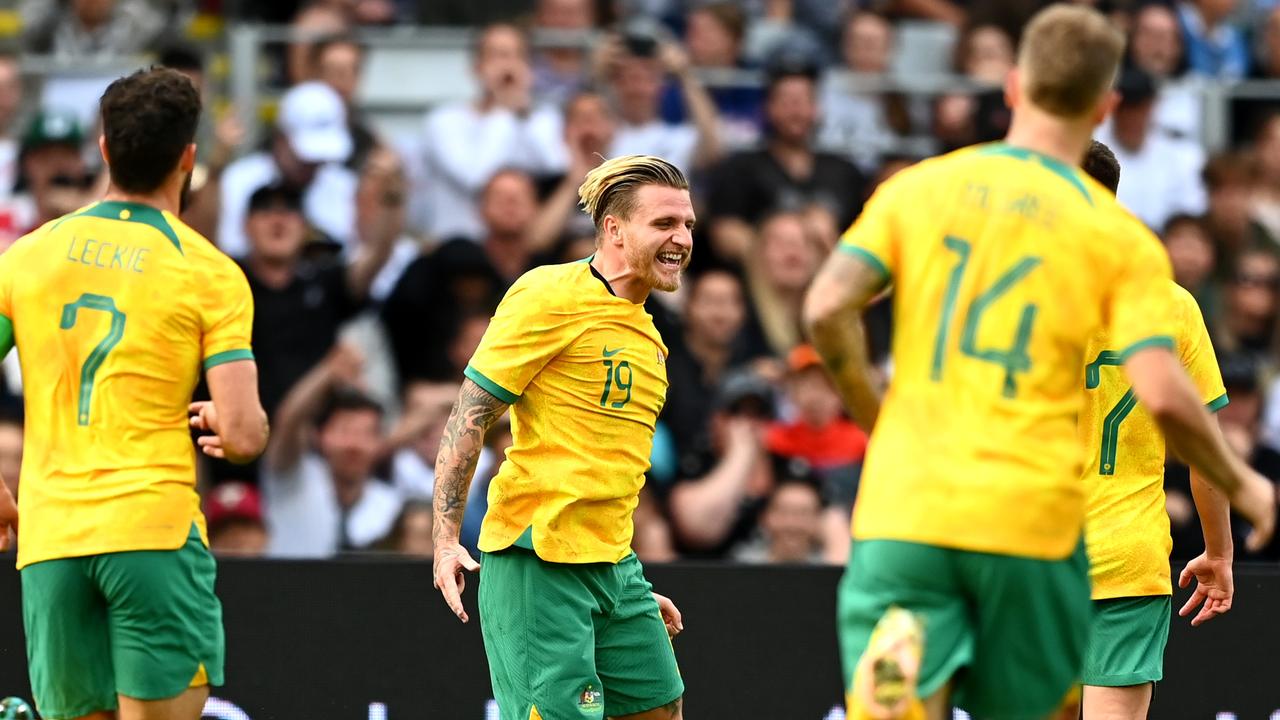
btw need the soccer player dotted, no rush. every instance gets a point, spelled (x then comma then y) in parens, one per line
(968, 553)
(115, 309)
(571, 627)
(1127, 526)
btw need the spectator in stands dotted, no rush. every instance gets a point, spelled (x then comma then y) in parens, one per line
(414, 441)
(721, 485)
(1248, 320)
(11, 435)
(1268, 57)
(83, 29)
(338, 63)
(1216, 48)
(1161, 173)
(381, 205)
(10, 106)
(708, 345)
(947, 11)
(790, 525)
(459, 278)
(863, 125)
(714, 34)
(200, 207)
(634, 67)
(306, 152)
(651, 540)
(1229, 180)
(233, 513)
(324, 499)
(1155, 47)
(53, 177)
(783, 260)
(314, 21)
(465, 144)
(589, 128)
(559, 72)
(1266, 196)
(300, 303)
(411, 532)
(1191, 251)
(984, 55)
(786, 174)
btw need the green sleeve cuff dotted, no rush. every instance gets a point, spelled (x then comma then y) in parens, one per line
(227, 356)
(1217, 403)
(490, 386)
(6, 336)
(1163, 341)
(868, 257)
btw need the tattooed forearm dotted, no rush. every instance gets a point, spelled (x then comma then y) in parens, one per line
(833, 313)
(473, 414)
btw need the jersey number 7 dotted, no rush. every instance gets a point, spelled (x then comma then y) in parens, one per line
(1014, 359)
(89, 371)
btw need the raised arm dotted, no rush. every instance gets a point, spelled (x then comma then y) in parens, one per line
(380, 217)
(845, 285)
(304, 401)
(702, 109)
(704, 510)
(1164, 389)
(475, 411)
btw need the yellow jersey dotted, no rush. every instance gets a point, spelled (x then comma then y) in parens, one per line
(1004, 263)
(585, 374)
(1128, 527)
(114, 310)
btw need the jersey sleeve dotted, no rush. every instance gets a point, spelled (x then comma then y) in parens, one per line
(1138, 309)
(226, 315)
(527, 331)
(1195, 350)
(8, 266)
(873, 236)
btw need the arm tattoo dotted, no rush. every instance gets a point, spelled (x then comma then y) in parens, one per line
(473, 414)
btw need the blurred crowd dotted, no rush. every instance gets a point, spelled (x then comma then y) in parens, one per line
(376, 261)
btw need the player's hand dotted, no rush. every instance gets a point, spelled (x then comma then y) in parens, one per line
(1255, 499)
(670, 615)
(8, 516)
(450, 560)
(1214, 588)
(204, 417)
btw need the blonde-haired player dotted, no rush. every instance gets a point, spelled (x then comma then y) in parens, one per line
(1127, 525)
(571, 628)
(968, 580)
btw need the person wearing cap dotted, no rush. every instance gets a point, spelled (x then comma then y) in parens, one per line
(1162, 173)
(788, 173)
(307, 150)
(233, 511)
(464, 144)
(301, 301)
(53, 178)
(723, 479)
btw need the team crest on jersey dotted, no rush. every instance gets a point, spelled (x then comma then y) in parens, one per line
(591, 699)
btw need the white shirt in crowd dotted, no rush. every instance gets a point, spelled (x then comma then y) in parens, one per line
(1161, 179)
(674, 142)
(463, 148)
(303, 515)
(328, 202)
(415, 478)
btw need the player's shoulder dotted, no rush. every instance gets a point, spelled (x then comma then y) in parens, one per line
(551, 280)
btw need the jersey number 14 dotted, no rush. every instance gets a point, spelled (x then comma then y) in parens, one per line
(1014, 359)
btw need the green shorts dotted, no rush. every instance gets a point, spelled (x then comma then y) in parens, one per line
(573, 641)
(1128, 641)
(143, 624)
(1008, 632)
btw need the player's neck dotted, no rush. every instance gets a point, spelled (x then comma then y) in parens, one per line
(1064, 141)
(625, 283)
(162, 199)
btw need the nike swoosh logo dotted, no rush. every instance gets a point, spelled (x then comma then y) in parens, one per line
(611, 353)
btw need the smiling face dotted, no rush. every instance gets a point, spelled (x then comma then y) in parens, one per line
(657, 237)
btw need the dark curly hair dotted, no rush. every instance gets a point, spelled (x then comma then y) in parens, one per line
(148, 119)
